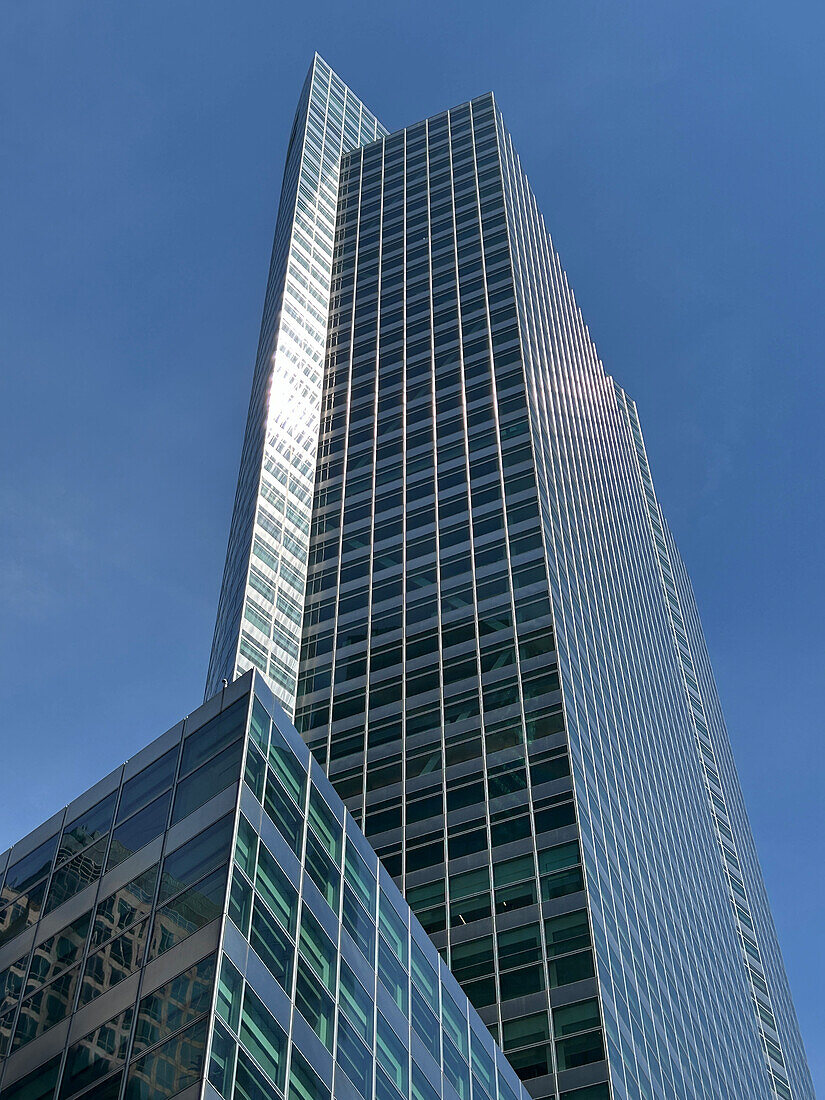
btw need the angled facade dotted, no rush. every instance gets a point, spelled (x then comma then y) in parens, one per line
(501, 664)
(208, 921)
(261, 601)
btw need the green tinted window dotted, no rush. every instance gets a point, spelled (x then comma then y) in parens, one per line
(356, 1003)
(263, 1037)
(304, 1082)
(246, 847)
(569, 932)
(276, 890)
(326, 826)
(286, 766)
(393, 928)
(582, 1016)
(392, 1055)
(284, 813)
(314, 1004)
(359, 877)
(273, 945)
(230, 988)
(317, 948)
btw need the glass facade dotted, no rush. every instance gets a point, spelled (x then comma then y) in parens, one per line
(209, 921)
(493, 670)
(262, 593)
(448, 562)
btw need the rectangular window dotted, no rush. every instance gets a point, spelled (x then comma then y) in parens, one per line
(169, 1068)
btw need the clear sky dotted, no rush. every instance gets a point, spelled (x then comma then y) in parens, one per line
(677, 152)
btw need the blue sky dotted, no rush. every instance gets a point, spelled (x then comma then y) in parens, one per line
(677, 152)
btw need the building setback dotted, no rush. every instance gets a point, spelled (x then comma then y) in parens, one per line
(501, 664)
(209, 921)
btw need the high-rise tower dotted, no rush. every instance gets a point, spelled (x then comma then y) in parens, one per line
(501, 666)
(261, 601)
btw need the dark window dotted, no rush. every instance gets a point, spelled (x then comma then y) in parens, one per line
(139, 830)
(175, 1004)
(226, 728)
(147, 784)
(87, 827)
(96, 1054)
(191, 861)
(169, 1068)
(190, 911)
(207, 781)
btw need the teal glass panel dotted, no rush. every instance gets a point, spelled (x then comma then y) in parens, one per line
(273, 946)
(276, 890)
(230, 991)
(222, 1060)
(263, 1037)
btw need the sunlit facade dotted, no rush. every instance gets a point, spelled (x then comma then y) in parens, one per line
(261, 600)
(501, 666)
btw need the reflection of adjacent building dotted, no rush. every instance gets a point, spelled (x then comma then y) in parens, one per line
(85, 961)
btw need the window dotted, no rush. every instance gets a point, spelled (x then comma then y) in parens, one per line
(263, 1037)
(192, 860)
(174, 1005)
(169, 1068)
(147, 784)
(224, 729)
(191, 910)
(96, 1054)
(137, 831)
(276, 890)
(124, 906)
(304, 1082)
(207, 781)
(114, 962)
(87, 827)
(59, 951)
(317, 949)
(272, 945)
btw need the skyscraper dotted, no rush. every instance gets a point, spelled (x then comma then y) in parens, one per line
(208, 921)
(501, 666)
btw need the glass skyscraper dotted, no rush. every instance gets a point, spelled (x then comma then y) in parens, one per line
(208, 921)
(501, 665)
(448, 565)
